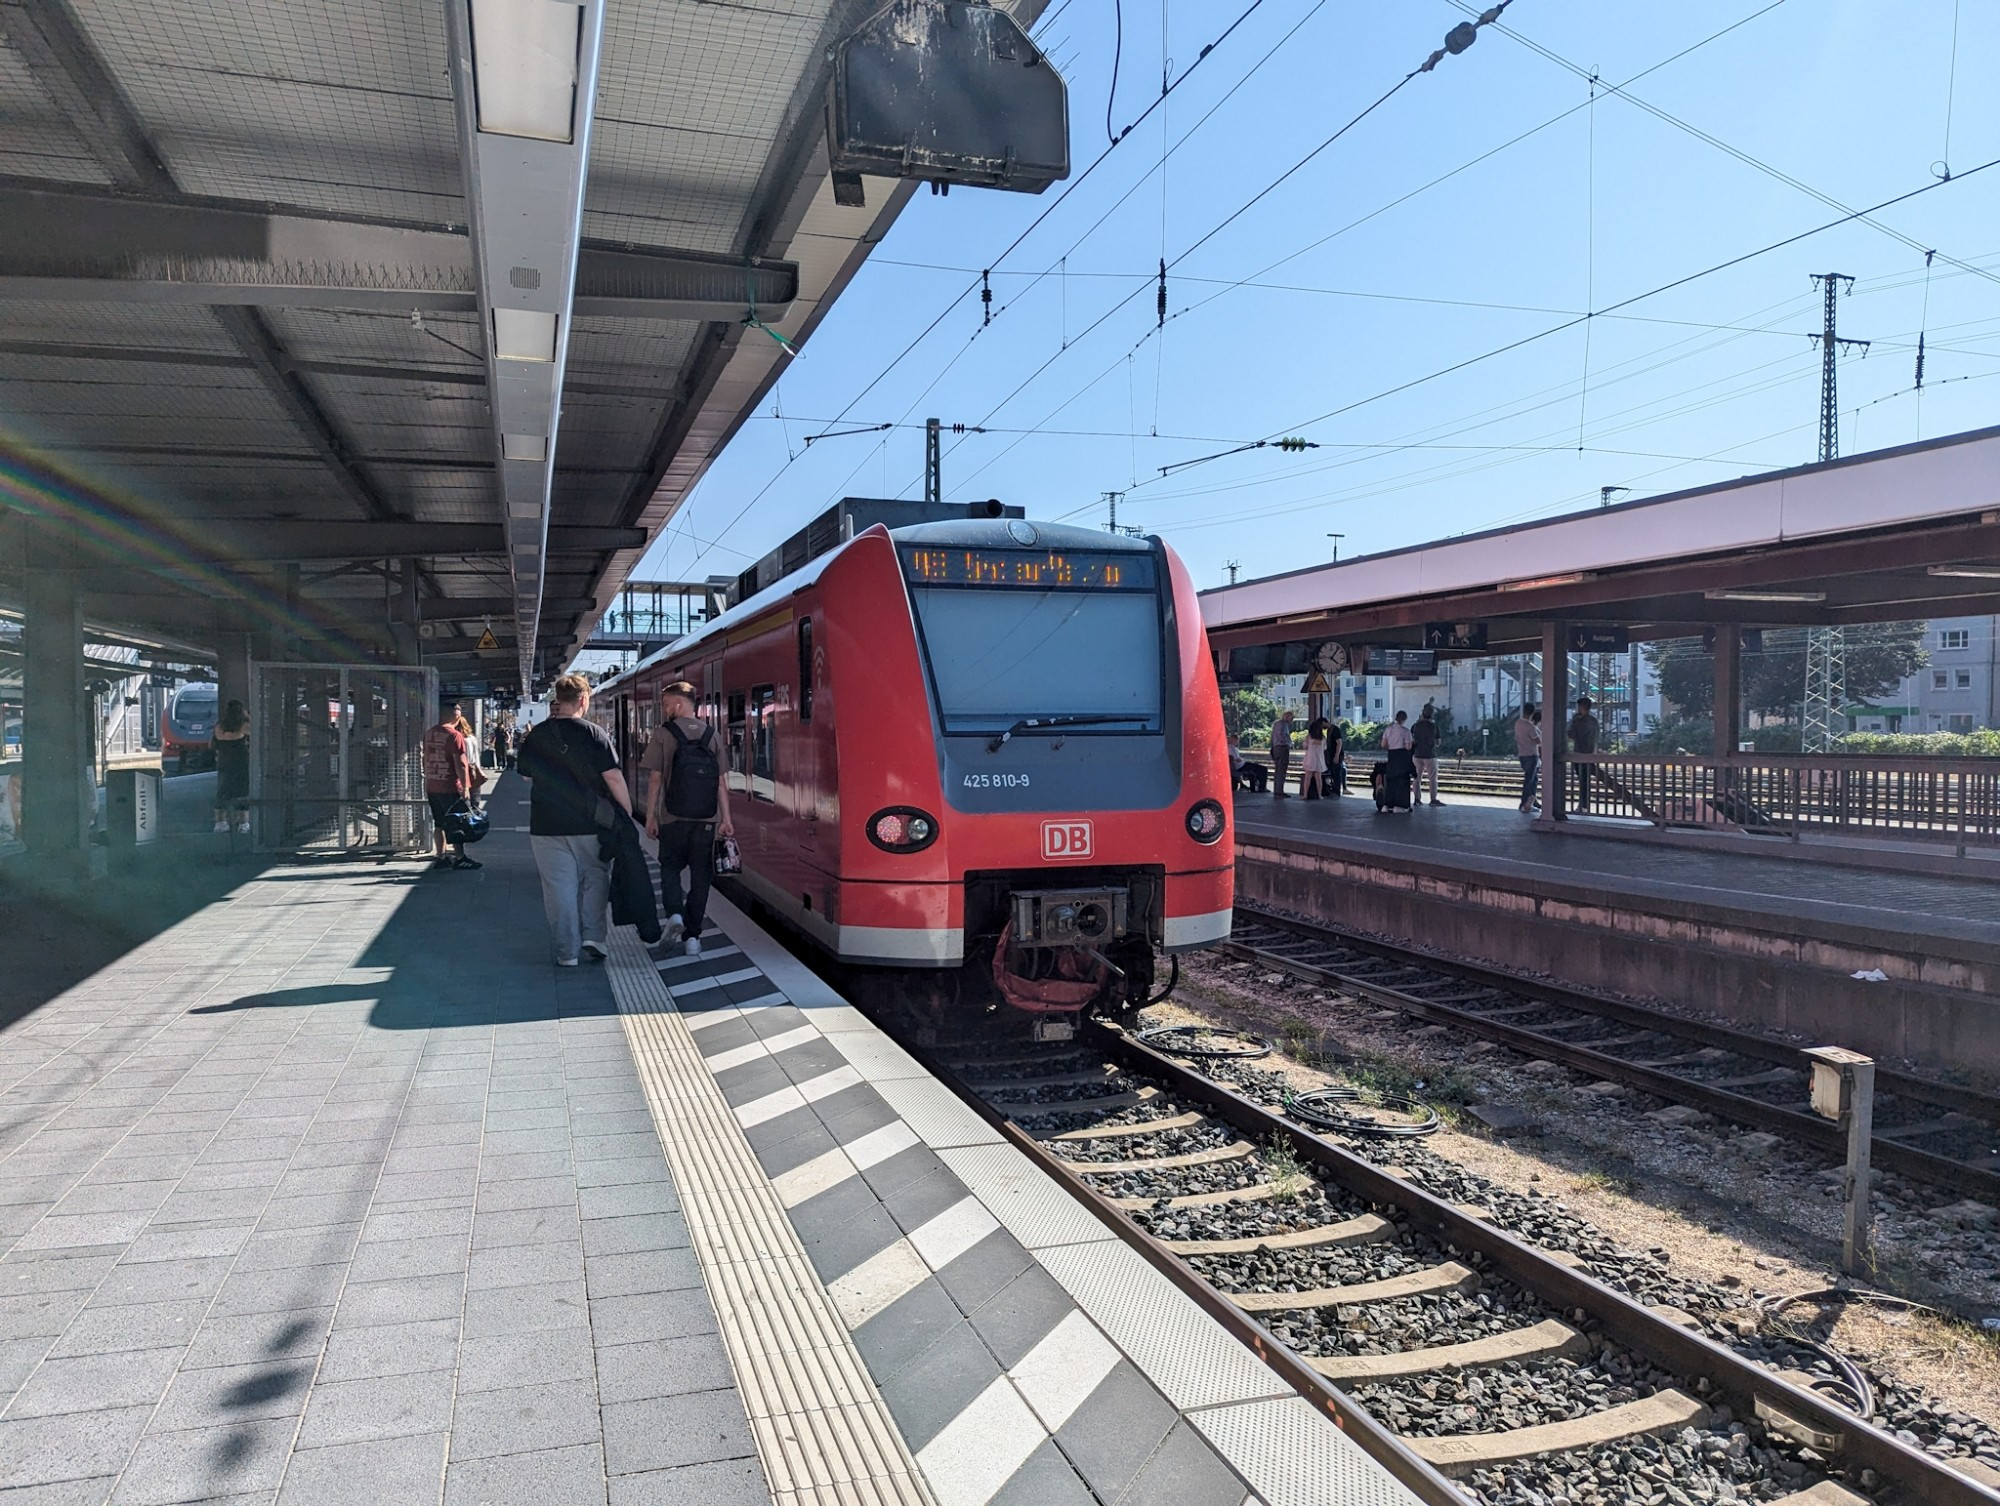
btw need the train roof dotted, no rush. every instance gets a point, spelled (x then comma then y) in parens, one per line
(950, 533)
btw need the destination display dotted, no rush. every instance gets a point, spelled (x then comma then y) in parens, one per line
(1044, 570)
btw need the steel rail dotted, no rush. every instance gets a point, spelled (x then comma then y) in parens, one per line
(1793, 1124)
(1742, 1042)
(1674, 1348)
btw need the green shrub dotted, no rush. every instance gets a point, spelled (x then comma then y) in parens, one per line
(1984, 743)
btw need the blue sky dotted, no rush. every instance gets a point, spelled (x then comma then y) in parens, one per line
(1305, 311)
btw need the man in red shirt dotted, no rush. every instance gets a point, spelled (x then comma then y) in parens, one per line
(447, 780)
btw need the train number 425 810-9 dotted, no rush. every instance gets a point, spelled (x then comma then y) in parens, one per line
(996, 781)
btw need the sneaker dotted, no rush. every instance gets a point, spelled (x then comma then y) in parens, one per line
(440, 861)
(222, 826)
(1437, 802)
(462, 861)
(595, 951)
(565, 962)
(674, 929)
(692, 948)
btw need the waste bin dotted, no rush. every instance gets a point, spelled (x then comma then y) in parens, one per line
(132, 806)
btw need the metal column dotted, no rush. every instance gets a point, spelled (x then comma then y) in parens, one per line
(57, 790)
(1555, 717)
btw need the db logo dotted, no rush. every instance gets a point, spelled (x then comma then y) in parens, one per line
(1065, 839)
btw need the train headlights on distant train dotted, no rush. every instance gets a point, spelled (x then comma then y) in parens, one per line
(902, 828)
(1205, 822)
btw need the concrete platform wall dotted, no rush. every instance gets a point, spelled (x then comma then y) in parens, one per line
(1760, 972)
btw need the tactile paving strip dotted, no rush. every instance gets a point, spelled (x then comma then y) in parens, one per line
(822, 1429)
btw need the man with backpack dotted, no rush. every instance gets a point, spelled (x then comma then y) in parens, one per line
(687, 802)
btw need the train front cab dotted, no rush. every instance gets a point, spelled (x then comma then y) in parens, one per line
(1099, 829)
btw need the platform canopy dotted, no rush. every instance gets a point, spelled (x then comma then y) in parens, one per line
(1885, 536)
(296, 294)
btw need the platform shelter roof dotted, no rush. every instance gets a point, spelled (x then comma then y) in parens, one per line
(288, 318)
(1910, 532)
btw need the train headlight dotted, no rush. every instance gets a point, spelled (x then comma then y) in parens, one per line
(1205, 822)
(902, 828)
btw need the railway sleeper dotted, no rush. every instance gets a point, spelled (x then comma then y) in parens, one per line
(1825, 1493)
(1041, 1108)
(1663, 1412)
(1235, 1152)
(1546, 1340)
(1263, 1192)
(1362, 1229)
(1446, 1276)
(1120, 1131)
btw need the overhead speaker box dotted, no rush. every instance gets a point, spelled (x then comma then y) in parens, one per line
(946, 91)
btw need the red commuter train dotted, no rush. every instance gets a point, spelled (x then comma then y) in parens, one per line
(981, 741)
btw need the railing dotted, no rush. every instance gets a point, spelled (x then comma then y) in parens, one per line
(1953, 800)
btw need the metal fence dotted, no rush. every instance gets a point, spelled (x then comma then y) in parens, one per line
(336, 757)
(1954, 800)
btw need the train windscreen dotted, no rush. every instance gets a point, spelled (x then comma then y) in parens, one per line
(1014, 635)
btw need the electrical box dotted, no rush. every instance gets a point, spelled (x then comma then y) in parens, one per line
(1832, 1066)
(948, 91)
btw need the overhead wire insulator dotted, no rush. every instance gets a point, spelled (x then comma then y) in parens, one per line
(1163, 294)
(986, 297)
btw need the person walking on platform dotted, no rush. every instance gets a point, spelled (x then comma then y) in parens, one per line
(1281, 751)
(232, 769)
(572, 766)
(1583, 739)
(1424, 750)
(447, 781)
(687, 803)
(1528, 748)
(1312, 773)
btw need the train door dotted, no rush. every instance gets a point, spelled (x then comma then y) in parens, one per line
(804, 764)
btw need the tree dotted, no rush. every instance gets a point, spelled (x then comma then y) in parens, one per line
(1246, 711)
(1879, 655)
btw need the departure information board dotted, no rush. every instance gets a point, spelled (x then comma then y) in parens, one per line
(1035, 569)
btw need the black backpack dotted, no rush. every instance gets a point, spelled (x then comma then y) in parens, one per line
(693, 777)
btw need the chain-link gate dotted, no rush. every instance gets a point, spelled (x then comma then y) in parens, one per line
(336, 758)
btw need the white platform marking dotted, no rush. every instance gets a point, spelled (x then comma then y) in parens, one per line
(837, 1165)
(877, 1282)
(722, 1061)
(1058, 1374)
(954, 1231)
(771, 1105)
(702, 985)
(980, 1449)
(708, 954)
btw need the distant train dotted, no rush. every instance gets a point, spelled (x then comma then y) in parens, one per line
(983, 741)
(187, 732)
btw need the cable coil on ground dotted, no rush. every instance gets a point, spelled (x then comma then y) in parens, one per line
(1324, 1108)
(1204, 1041)
(1852, 1378)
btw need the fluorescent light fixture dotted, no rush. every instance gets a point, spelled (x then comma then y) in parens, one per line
(1765, 595)
(524, 447)
(526, 510)
(524, 55)
(1967, 572)
(1573, 578)
(523, 334)
(529, 549)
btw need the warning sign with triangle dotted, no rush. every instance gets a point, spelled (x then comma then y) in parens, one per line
(487, 640)
(1316, 684)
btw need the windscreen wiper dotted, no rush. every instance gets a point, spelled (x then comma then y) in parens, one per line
(1034, 723)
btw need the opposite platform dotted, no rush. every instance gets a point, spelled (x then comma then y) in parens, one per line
(1767, 942)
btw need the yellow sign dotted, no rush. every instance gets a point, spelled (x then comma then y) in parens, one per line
(487, 640)
(1316, 684)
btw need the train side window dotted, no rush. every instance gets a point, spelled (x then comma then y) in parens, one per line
(805, 669)
(739, 779)
(763, 742)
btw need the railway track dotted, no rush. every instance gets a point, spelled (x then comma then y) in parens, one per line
(1471, 1363)
(1935, 1132)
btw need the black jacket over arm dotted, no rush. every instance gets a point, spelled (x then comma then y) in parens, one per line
(633, 902)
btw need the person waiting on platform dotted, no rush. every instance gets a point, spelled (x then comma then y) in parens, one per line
(1312, 774)
(1424, 751)
(1336, 759)
(1583, 739)
(1281, 751)
(687, 803)
(1245, 775)
(571, 765)
(1528, 748)
(447, 781)
(232, 769)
